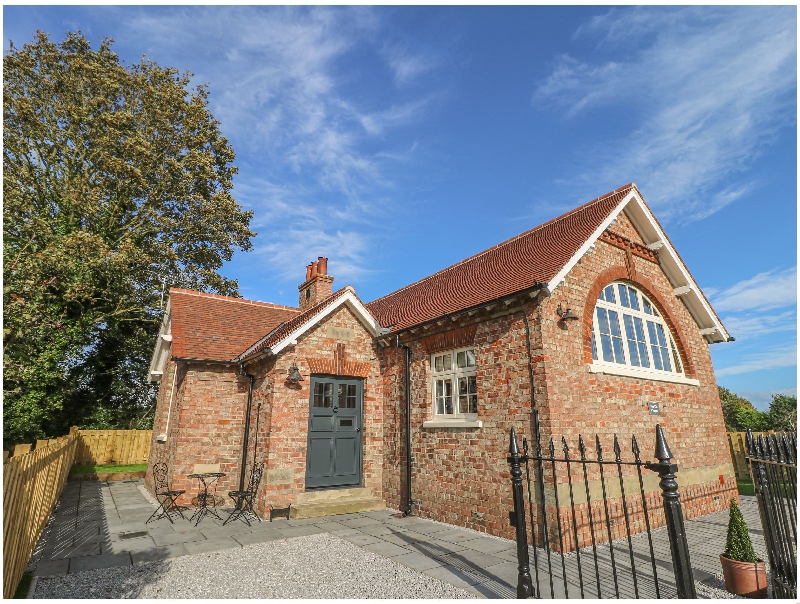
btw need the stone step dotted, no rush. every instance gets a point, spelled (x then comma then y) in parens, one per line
(332, 494)
(315, 504)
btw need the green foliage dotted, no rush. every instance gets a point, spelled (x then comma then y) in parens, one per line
(117, 183)
(92, 469)
(745, 486)
(740, 414)
(783, 413)
(738, 545)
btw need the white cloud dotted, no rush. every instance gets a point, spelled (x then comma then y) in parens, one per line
(407, 65)
(748, 327)
(765, 291)
(773, 358)
(376, 123)
(710, 87)
(321, 158)
(292, 249)
(762, 398)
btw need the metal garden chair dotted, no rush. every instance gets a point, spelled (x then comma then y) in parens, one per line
(166, 495)
(244, 499)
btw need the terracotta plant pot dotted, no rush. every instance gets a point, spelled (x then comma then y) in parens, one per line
(748, 579)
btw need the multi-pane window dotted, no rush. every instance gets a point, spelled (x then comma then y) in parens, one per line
(324, 396)
(628, 330)
(455, 389)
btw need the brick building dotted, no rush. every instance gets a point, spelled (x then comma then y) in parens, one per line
(588, 317)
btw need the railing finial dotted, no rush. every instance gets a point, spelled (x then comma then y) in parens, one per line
(663, 454)
(513, 447)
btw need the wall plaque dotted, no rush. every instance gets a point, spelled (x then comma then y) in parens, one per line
(341, 333)
(654, 408)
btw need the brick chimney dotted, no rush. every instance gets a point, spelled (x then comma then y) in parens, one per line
(318, 284)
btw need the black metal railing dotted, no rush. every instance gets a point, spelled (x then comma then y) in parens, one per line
(773, 467)
(600, 532)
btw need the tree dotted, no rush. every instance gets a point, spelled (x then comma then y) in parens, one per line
(740, 414)
(783, 413)
(116, 180)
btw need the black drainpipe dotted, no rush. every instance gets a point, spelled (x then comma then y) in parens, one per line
(252, 379)
(530, 355)
(410, 502)
(530, 359)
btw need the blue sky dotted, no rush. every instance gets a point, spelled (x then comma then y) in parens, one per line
(399, 140)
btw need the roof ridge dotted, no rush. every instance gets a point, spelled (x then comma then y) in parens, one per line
(295, 321)
(199, 294)
(630, 185)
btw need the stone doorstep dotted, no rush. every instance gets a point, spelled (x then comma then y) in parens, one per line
(331, 495)
(335, 506)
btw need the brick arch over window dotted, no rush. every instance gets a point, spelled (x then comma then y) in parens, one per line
(621, 273)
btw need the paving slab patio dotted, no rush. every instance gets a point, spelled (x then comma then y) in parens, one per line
(102, 524)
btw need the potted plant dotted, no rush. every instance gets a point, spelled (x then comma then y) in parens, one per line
(744, 572)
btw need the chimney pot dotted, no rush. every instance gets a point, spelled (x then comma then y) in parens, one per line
(318, 284)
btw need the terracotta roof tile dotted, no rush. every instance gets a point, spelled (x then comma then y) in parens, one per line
(535, 256)
(292, 324)
(214, 327)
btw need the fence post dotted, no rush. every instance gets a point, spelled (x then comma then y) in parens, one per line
(524, 581)
(678, 546)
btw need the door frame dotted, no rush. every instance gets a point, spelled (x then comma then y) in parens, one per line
(360, 418)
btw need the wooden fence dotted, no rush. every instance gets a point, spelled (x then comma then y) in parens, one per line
(32, 484)
(738, 444)
(113, 447)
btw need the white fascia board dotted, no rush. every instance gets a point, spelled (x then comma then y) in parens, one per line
(675, 269)
(556, 281)
(163, 342)
(348, 299)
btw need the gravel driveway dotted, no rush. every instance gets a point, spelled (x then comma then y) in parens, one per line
(316, 566)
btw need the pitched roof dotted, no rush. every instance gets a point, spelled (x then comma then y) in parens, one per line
(214, 327)
(535, 256)
(280, 332)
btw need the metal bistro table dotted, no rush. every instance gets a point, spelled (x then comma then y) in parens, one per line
(207, 479)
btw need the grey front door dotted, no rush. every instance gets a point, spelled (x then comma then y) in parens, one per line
(334, 432)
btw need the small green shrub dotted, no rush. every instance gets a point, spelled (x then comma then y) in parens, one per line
(745, 486)
(738, 545)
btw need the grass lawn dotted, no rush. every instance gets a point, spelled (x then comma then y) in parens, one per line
(745, 486)
(136, 467)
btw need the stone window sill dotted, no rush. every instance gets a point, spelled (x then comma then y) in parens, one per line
(642, 375)
(453, 423)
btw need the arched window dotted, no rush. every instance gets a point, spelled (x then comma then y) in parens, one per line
(629, 331)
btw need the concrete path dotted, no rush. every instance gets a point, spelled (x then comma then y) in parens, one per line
(102, 524)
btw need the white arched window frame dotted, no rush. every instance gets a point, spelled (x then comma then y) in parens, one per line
(630, 337)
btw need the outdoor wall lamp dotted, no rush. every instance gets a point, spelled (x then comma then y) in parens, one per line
(294, 375)
(566, 315)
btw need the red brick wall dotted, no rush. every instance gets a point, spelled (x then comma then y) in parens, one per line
(580, 401)
(287, 405)
(461, 475)
(209, 405)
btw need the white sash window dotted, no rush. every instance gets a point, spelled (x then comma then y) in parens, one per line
(455, 389)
